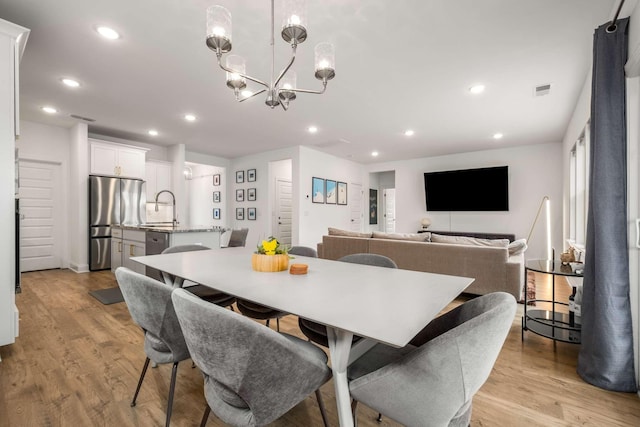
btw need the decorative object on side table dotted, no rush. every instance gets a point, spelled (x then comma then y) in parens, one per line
(270, 256)
(425, 222)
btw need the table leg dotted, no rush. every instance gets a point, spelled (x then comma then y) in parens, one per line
(339, 348)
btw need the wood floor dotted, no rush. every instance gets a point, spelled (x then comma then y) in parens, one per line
(77, 362)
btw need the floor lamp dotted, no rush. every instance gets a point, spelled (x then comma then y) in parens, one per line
(546, 203)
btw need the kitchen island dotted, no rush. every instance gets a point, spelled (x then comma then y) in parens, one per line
(150, 239)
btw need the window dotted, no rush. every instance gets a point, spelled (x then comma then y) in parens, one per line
(579, 188)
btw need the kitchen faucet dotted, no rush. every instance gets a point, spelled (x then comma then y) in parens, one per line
(175, 220)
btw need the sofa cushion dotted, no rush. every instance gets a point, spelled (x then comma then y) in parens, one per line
(472, 241)
(517, 247)
(416, 237)
(347, 233)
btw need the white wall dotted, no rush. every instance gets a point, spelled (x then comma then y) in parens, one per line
(315, 218)
(200, 195)
(44, 143)
(534, 171)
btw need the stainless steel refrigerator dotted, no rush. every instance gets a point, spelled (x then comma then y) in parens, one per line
(111, 201)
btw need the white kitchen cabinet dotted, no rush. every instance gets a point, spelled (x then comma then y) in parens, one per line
(116, 248)
(117, 160)
(159, 176)
(133, 244)
(12, 42)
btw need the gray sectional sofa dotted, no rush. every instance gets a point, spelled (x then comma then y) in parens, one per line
(495, 261)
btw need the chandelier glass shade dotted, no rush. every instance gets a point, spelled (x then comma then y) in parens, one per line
(281, 89)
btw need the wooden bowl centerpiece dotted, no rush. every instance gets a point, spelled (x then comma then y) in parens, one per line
(270, 257)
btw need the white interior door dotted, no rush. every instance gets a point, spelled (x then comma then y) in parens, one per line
(283, 211)
(354, 195)
(389, 202)
(41, 220)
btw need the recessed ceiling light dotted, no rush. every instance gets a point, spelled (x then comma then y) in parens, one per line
(497, 136)
(108, 33)
(409, 132)
(190, 117)
(71, 82)
(312, 129)
(477, 89)
(153, 132)
(246, 93)
(374, 153)
(49, 110)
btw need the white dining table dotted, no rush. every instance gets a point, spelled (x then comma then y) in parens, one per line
(382, 305)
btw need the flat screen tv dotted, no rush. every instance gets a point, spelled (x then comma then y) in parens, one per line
(485, 189)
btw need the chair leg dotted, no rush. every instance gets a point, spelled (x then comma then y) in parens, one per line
(322, 409)
(205, 417)
(172, 388)
(267, 324)
(144, 371)
(278, 324)
(354, 408)
(379, 419)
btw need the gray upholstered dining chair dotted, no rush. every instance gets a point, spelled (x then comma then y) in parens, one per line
(237, 238)
(252, 375)
(317, 332)
(432, 381)
(303, 251)
(149, 303)
(204, 292)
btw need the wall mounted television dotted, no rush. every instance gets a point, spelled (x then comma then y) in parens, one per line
(484, 189)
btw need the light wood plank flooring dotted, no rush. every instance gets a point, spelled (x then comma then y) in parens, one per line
(77, 362)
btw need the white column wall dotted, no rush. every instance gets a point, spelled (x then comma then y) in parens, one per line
(79, 198)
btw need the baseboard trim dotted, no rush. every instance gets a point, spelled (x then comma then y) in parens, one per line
(83, 268)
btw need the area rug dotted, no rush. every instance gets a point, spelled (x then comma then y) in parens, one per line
(108, 296)
(530, 288)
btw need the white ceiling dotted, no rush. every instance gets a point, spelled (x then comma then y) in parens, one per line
(399, 64)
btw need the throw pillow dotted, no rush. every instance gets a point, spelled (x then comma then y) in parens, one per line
(416, 237)
(517, 247)
(466, 240)
(347, 233)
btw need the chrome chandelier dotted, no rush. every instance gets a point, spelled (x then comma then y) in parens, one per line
(281, 90)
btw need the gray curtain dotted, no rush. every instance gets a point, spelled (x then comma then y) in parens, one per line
(606, 355)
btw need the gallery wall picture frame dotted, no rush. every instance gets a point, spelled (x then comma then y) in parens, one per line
(330, 192)
(216, 197)
(251, 175)
(317, 190)
(251, 194)
(240, 214)
(342, 193)
(216, 180)
(239, 177)
(240, 195)
(373, 206)
(251, 214)
(216, 213)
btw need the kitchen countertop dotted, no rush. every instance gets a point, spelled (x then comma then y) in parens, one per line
(168, 228)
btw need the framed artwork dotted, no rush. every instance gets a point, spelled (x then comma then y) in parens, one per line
(330, 187)
(251, 175)
(373, 206)
(239, 177)
(251, 194)
(342, 193)
(240, 195)
(251, 214)
(216, 213)
(317, 190)
(216, 179)
(216, 197)
(240, 214)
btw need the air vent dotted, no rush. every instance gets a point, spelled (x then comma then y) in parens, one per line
(86, 119)
(542, 90)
